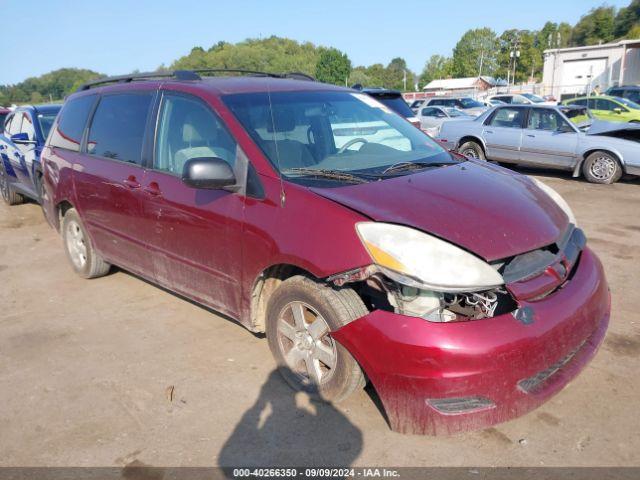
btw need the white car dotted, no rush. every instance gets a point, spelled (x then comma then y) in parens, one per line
(521, 99)
(432, 118)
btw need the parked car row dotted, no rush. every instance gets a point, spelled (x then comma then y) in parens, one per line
(363, 249)
(562, 137)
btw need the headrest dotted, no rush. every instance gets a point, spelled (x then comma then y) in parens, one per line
(198, 127)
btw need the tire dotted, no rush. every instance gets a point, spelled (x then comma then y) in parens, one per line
(9, 195)
(471, 149)
(85, 261)
(298, 347)
(602, 167)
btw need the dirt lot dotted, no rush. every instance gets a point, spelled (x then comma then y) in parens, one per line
(116, 371)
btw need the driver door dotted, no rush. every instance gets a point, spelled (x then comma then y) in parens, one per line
(503, 134)
(548, 140)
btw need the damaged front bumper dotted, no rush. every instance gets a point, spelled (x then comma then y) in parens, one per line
(444, 378)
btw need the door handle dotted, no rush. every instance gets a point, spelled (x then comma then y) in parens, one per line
(153, 189)
(529, 135)
(488, 131)
(131, 182)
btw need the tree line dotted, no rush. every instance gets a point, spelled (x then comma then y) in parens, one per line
(479, 51)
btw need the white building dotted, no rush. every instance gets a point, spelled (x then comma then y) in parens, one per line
(576, 71)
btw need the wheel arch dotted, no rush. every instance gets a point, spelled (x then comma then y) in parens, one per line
(60, 209)
(472, 138)
(263, 287)
(583, 156)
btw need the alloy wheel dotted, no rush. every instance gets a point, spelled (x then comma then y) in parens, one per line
(603, 168)
(76, 245)
(305, 343)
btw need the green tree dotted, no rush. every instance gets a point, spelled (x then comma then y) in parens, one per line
(437, 67)
(475, 53)
(333, 66)
(359, 76)
(528, 63)
(595, 27)
(626, 19)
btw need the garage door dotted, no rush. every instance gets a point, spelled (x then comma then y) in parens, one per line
(578, 74)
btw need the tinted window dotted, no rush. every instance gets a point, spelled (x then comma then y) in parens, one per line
(506, 99)
(508, 117)
(397, 104)
(543, 119)
(469, 103)
(68, 131)
(118, 126)
(436, 101)
(189, 129)
(582, 102)
(3, 116)
(430, 112)
(604, 104)
(45, 120)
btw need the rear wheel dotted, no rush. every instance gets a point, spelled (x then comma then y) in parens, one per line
(300, 316)
(471, 149)
(601, 167)
(84, 259)
(9, 195)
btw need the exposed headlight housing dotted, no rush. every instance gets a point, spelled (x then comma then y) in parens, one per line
(555, 196)
(416, 259)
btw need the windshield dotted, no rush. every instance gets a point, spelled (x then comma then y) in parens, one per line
(470, 103)
(46, 120)
(396, 103)
(454, 112)
(533, 98)
(627, 103)
(331, 131)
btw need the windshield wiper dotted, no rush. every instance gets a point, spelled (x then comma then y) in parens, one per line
(414, 166)
(326, 173)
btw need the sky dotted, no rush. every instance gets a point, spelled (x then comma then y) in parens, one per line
(118, 36)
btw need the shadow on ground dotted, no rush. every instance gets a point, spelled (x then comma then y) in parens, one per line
(285, 428)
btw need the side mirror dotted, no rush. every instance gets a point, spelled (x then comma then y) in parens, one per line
(22, 139)
(208, 172)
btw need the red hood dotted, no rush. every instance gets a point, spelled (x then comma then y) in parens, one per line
(485, 209)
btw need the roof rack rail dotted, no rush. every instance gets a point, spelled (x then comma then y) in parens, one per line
(188, 75)
(178, 74)
(292, 75)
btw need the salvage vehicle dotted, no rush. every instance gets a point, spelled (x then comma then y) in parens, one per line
(611, 109)
(464, 292)
(560, 137)
(466, 104)
(25, 131)
(432, 118)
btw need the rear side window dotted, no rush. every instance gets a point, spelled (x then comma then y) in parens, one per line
(118, 126)
(508, 117)
(67, 133)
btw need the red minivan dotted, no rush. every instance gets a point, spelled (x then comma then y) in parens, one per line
(462, 291)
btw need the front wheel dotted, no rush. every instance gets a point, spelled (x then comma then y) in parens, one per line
(471, 149)
(601, 167)
(301, 315)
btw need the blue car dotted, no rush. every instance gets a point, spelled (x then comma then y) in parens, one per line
(25, 131)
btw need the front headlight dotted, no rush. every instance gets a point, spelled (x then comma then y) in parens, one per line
(417, 259)
(555, 196)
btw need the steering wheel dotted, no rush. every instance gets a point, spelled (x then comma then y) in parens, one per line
(352, 142)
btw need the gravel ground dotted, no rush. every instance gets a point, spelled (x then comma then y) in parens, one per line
(116, 371)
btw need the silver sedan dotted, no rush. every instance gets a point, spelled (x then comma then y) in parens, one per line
(561, 137)
(432, 118)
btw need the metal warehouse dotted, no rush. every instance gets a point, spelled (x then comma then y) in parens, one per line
(576, 71)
